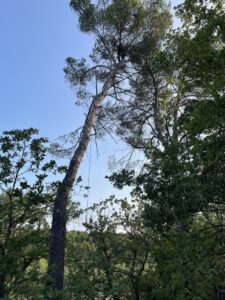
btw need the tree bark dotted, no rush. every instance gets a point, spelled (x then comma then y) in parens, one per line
(58, 229)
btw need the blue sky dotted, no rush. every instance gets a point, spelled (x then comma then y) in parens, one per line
(36, 37)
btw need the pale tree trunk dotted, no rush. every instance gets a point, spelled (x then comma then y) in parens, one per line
(58, 229)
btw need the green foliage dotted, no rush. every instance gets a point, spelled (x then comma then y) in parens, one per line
(182, 182)
(87, 14)
(188, 263)
(113, 258)
(130, 13)
(167, 100)
(124, 178)
(121, 31)
(25, 202)
(202, 44)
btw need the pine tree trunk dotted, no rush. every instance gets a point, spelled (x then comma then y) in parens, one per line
(58, 230)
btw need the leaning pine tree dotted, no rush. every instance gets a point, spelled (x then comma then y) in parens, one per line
(118, 27)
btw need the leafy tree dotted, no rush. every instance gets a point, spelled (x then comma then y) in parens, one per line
(182, 182)
(25, 201)
(185, 169)
(201, 45)
(112, 260)
(204, 116)
(186, 265)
